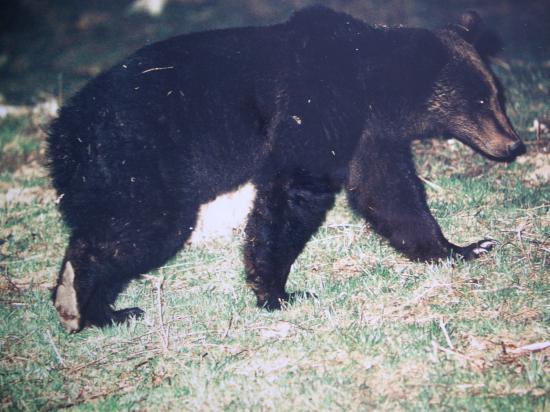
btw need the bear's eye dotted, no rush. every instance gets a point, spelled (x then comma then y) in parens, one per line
(481, 101)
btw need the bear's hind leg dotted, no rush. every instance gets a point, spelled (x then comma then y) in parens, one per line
(98, 310)
(286, 213)
(71, 292)
(88, 286)
(95, 272)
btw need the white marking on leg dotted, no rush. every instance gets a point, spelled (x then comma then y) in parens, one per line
(65, 300)
(220, 217)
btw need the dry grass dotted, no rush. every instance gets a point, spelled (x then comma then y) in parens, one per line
(381, 333)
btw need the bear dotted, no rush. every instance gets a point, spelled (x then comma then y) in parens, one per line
(302, 109)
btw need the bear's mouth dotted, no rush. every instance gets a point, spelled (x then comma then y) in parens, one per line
(509, 155)
(500, 150)
(492, 139)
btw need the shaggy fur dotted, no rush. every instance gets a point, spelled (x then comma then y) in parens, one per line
(301, 109)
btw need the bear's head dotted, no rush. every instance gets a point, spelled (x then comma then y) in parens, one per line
(467, 101)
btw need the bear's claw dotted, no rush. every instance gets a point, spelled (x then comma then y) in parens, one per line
(476, 249)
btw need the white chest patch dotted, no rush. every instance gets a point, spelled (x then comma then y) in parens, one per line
(223, 216)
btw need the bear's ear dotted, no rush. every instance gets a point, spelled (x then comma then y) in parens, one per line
(469, 26)
(472, 29)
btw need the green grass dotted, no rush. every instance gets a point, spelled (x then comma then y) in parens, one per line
(374, 336)
(18, 142)
(381, 333)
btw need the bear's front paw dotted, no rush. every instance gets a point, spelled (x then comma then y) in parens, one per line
(273, 301)
(476, 249)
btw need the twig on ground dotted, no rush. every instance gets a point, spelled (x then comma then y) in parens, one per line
(56, 351)
(163, 331)
(226, 333)
(101, 394)
(11, 284)
(534, 347)
(431, 184)
(434, 285)
(476, 362)
(446, 334)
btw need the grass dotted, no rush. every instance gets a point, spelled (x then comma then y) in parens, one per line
(381, 333)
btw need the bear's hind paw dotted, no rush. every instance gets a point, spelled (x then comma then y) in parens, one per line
(273, 301)
(124, 315)
(286, 299)
(111, 317)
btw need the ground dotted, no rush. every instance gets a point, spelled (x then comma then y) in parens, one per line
(382, 332)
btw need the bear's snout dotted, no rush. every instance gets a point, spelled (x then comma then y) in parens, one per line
(516, 148)
(500, 141)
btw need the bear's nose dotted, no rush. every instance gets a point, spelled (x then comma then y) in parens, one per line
(516, 147)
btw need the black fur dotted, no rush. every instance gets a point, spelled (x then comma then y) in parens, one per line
(301, 108)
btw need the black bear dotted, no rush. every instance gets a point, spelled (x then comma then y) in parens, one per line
(300, 109)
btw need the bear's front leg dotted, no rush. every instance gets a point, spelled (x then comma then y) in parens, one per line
(287, 211)
(383, 187)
